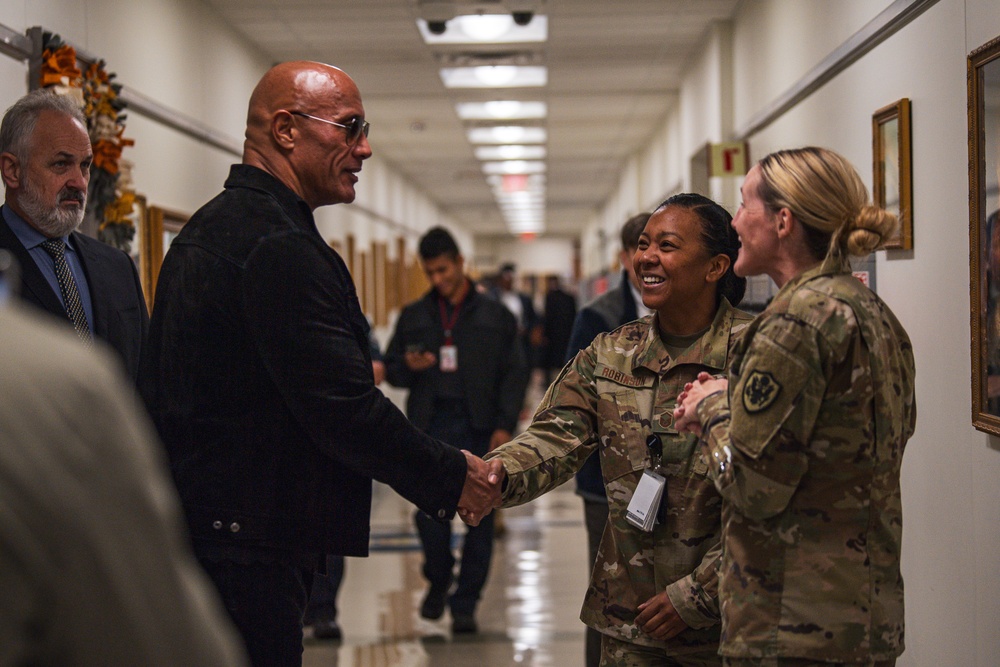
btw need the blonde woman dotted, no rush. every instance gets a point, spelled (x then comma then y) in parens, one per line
(805, 438)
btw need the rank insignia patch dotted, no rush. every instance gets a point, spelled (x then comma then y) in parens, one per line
(760, 391)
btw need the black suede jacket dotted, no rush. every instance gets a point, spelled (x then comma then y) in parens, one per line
(258, 377)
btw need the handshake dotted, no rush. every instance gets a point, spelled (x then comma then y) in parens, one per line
(481, 492)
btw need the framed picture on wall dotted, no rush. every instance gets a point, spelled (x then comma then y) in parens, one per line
(892, 168)
(984, 233)
(159, 227)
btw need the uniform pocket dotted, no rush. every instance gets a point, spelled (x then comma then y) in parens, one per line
(623, 432)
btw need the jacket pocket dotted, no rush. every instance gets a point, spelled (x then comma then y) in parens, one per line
(623, 432)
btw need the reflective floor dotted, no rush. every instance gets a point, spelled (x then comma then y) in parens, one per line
(530, 612)
(528, 615)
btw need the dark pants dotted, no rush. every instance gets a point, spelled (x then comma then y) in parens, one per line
(451, 424)
(266, 602)
(323, 599)
(595, 516)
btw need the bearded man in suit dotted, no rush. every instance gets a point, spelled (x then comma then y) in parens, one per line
(45, 161)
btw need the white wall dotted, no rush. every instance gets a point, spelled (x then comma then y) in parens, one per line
(951, 542)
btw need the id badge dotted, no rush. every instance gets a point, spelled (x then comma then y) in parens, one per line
(449, 358)
(645, 504)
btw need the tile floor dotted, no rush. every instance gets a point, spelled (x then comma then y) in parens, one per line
(528, 615)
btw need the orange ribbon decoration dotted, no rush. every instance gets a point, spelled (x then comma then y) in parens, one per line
(58, 64)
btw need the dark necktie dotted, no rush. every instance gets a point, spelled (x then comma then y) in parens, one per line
(67, 285)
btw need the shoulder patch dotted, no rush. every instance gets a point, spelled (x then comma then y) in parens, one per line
(760, 391)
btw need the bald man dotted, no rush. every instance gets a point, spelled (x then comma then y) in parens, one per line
(259, 375)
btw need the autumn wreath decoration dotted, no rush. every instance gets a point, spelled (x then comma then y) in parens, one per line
(110, 197)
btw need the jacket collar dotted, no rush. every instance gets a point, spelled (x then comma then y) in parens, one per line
(471, 298)
(828, 267)
(254, 178)
(711, 350)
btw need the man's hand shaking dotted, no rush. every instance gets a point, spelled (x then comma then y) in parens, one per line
(481, 492)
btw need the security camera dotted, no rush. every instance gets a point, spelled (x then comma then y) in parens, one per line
(437, 27)
(522, 18)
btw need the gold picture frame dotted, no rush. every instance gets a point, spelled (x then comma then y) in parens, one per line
(893, 169)
(159, 227)
(984, 233)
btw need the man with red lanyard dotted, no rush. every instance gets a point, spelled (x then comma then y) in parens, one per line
(457, 351)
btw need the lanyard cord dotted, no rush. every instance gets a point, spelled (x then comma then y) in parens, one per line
(448, 323)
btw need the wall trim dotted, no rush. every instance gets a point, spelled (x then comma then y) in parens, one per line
(889, 21)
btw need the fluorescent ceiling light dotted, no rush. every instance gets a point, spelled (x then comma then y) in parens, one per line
(523, 227)
(484, 27)
(510, 152)
(501, 109)
(457, 30)
(514, 218)
(507, 134)
(532, 182)
(523, 207)
(513, 167)
(521, 197)
(494, 76)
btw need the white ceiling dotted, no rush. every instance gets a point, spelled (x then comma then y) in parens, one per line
(614, 67)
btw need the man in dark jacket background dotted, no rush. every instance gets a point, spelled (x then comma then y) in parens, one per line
(458, 353)
(258, 374)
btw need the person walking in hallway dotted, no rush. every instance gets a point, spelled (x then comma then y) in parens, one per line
(560, 313)
(259, 375)
(458, 353)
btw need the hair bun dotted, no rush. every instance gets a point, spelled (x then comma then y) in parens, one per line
(869, 230)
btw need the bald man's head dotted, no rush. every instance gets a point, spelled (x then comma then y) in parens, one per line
(295, 131)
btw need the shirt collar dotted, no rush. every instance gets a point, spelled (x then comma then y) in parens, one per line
(828, 267)
(711, 350)
(28, 236)
(640, 307)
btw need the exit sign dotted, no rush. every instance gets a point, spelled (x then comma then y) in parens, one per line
(728, 159)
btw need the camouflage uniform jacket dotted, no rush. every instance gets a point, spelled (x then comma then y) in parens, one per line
(805, 448)
(610, 398)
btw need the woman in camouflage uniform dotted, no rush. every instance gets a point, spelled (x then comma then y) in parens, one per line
(653, 595)
(806, 438)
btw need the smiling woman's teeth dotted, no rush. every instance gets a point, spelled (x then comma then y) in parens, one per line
(652, 280)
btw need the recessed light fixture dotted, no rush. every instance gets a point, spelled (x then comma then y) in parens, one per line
(514, 167)
(510, 152)
(494, 76)
(507, 134)
(484, 27)
(501, 110)
(468, 29)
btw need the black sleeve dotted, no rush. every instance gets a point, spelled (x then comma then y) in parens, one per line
(586, 326)
(396, 371)
(514, 376)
